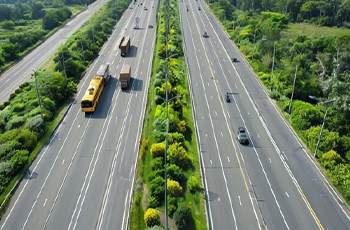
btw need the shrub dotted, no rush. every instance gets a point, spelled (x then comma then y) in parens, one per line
(304, 115)
(6, 168)
(178, 155)
(18, 107)
(12, 96)
(15, 123)
(7, 148)
(6, 103)
(158, 136)
(182, 216)
(328, 141)
(174, 202)
(193, 184)
(151, 217)
(176, 138)
(19, 159)
(157, 163)
(174, 172)
(331, 159)
(181, 127)
(36, 124)
(157, 173)
(159, 124)
(9, 135)
(49, 104)
(158, 149)
(157, 187)
(174, 188)
(28, 139)
(2, 125)
(153, 202)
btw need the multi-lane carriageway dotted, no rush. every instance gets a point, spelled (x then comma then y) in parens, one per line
(83, 178)
(270, 184)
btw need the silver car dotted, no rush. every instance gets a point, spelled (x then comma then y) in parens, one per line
(242, 136)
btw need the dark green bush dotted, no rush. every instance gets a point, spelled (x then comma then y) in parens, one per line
(157, 163)
(6, 103)
(182, 217)
(157, 187)
(12, 96)
(158, 136)
(153, 202)
(8, 148)
(25, 84)
(18, 91)
(157, 173)
(176, 173)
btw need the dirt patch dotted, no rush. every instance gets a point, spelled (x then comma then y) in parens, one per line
(171, 222)
(145, 197)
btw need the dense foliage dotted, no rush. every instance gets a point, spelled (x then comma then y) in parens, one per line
(23, 24)
(322, 12)
(321, 65)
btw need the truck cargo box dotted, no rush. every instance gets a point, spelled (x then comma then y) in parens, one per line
(125, 76)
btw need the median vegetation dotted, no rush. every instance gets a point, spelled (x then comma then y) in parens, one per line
(28, 118)
(186, 203)
(269, 36)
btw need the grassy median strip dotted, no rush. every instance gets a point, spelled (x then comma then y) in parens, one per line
(186, 200)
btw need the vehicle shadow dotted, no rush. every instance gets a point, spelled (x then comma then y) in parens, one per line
(132, 52)
(138, 84)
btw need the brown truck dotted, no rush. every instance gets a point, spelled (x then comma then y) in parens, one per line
(124, 46)
(124, 77)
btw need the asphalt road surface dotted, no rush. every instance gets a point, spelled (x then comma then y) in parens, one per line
(21, 71)
(83, 178)
(271, 183)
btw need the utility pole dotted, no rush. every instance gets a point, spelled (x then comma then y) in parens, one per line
(35, 73)
(291, 97)
(273, 64)
(324, 120)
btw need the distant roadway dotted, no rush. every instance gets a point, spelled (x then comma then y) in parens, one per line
(272, 183)
(83, 178)
(21, 71)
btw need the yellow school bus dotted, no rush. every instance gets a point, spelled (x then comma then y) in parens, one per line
(92, 95)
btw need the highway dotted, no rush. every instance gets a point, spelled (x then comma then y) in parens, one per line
(22, 70)
(272, 183)
(83, 178)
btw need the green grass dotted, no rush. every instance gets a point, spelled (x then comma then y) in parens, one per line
(296, 29)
